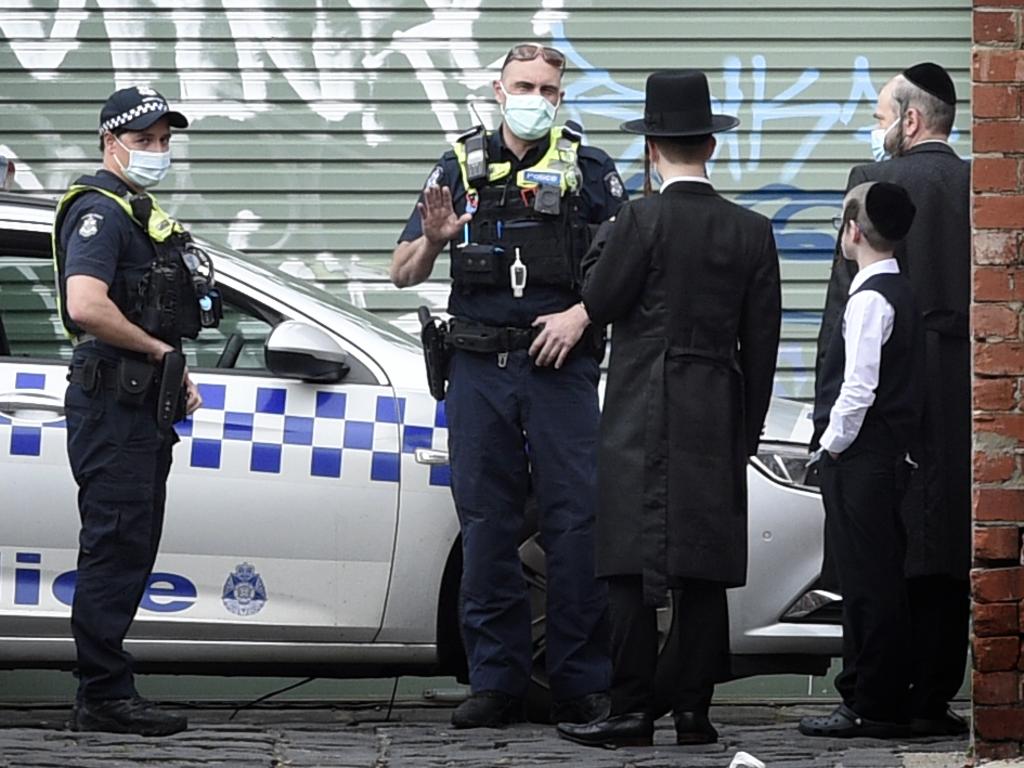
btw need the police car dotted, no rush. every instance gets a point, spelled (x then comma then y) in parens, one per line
(310, 527)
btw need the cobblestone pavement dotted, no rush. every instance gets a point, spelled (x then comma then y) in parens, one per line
(307, 736)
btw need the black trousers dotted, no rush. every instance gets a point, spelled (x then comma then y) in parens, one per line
(695, 655)
(862, 494)
(120, 461)
(940, 614)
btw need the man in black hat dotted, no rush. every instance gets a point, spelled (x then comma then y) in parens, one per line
(866, 407)
(691, 283)
(915, 113)
(104, 251)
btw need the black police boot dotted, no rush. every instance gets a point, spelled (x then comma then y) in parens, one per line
(134, 715)
(489, 709)
(582, 709)
(633, 729)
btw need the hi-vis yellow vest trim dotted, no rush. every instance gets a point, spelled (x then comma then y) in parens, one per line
(160, 227)
(558, 167)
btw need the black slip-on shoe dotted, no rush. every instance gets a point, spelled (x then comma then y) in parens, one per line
(135, 715)
(582, 709)
(489, 709)
(694, 728)
(947, 724)
(844, 723)
(633, 729)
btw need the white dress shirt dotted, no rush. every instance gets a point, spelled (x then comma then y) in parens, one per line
(674, 179)
(867, 325)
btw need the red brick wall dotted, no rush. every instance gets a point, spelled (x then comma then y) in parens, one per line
(997, 321)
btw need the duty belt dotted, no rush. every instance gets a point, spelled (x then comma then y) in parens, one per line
(475, 337)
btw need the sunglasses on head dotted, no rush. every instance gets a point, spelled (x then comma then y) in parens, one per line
(530, 51)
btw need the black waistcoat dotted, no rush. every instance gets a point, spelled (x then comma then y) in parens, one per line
(892, 420)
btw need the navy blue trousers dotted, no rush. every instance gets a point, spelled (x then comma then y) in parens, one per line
(509, 427)
(120, 461)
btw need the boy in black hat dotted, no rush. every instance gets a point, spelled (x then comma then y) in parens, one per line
(915, 113)
(691, 282)
(866, 408)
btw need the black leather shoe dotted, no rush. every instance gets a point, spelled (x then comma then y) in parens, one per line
(694, 728)
(844, 723)
(126, 716)
(582, 709)
(947, 724)
(633, 729)
(488, 709)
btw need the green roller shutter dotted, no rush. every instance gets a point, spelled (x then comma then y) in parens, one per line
(315, 124)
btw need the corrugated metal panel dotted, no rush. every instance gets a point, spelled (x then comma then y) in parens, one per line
(315, 124)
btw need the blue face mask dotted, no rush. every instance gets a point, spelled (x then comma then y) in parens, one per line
(145, 169)
(529, 116)
(878, 150)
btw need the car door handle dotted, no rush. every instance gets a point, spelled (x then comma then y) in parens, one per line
(431, 456)
(31, 406)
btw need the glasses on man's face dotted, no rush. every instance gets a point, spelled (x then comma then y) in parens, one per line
(838, 222)
(530, 51)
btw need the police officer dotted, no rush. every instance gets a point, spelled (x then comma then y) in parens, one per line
(513, 207)
(120, 458)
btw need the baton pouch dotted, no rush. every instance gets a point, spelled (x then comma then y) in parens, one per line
(134, 379)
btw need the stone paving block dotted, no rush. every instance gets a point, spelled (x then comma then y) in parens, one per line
(335, 737)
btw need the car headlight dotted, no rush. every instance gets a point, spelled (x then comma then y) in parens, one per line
(786, 463)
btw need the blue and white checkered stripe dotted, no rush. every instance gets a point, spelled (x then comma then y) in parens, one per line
(356, 434)
(27, 440)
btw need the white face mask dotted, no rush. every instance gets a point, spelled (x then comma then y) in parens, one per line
(529, 116)
(146, 169)
(878, 150)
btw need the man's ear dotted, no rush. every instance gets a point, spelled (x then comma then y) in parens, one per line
(712, 144)
(499, 94)
(652, 150)
(913, 124)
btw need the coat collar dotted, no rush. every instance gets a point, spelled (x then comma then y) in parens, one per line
(689, 187)
(931, 146)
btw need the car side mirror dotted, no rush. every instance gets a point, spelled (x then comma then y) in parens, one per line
(297, 350)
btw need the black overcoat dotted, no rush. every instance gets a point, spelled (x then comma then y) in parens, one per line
(936, 257)
(690, 282)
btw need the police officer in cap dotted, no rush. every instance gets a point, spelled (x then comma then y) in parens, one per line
(119, 455)
(513, 208)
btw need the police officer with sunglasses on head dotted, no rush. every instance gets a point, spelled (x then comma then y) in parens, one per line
(514, 210)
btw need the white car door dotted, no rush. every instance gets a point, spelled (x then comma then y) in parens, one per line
(282, 501)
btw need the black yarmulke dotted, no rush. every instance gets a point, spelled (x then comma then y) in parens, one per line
(933, 79)
(890, 209)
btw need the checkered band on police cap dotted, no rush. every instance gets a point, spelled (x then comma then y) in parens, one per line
(137, 108)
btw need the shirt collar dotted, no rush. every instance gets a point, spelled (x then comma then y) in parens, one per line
(674, 179)
(884, 267)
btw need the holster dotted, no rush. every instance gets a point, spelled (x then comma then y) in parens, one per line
(170, 401)
(437, 351)
(134, 380)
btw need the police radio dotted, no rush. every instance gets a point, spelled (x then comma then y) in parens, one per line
(476, 155)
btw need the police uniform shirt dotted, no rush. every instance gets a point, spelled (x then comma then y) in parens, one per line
(867, 324)
(100, 240)
(601, 193)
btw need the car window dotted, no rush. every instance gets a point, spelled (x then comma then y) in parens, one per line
(28, 308)
(248, 322)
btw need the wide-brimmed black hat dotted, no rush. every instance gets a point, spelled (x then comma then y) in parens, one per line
(678, 103)
(135, 109)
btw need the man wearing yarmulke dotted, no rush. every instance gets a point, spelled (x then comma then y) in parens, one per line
(866, 407)
(915, 114)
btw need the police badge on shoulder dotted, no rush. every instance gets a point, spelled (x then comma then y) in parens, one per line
(90, 225)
